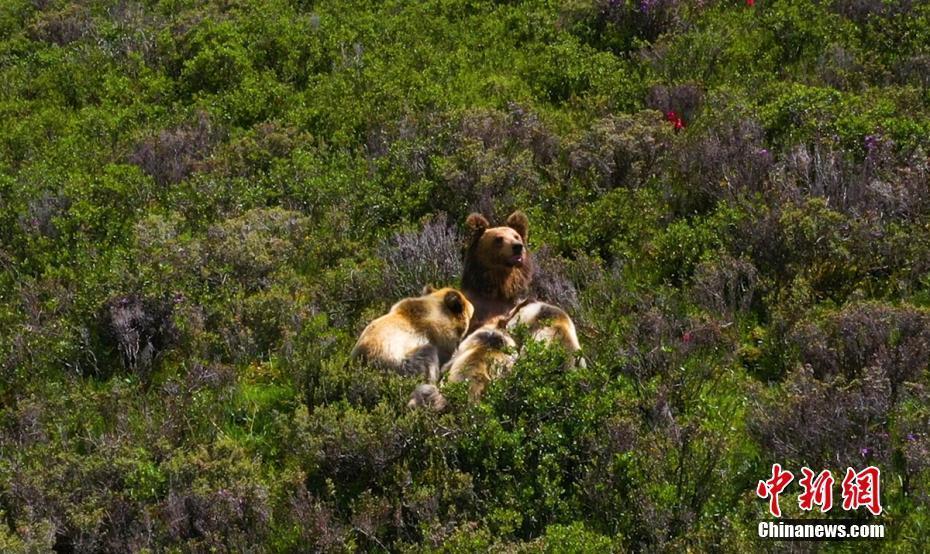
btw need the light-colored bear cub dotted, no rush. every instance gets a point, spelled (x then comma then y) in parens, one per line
(419, 334)
(549, 324)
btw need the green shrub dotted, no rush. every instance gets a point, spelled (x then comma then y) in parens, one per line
(203, 203)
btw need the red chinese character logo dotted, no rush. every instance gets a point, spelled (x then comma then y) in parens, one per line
(817, 490)
(772, 488)
(862, 489)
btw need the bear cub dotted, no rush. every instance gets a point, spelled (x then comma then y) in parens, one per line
(549, 324)
(418, 334)
(483, 356)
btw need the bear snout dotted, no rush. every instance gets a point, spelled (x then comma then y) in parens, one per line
(516, 257)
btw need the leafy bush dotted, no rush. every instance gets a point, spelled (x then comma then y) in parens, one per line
(860, 337)
(172, 155)
(879, 186)
(618, 24)
(726, 160)
(683, 100)
(203, 203)
(42, 213)
(826, 424)
(621, 151)
(62, 27)
(415, 259)
(249, 246)
(727, 286)
(139, 328)
(216, 500)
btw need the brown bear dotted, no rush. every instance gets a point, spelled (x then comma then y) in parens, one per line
(483, 356)
(498, 269)
(418, 335)
(549, 324)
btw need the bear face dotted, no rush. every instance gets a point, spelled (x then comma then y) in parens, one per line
(440, 316)
(498, 267)
(501, 247)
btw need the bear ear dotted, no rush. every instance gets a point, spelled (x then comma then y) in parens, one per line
(519, 223)
(453, 301)
(428, 289)
(476, 223)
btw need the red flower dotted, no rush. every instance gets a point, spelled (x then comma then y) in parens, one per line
(675, 120)
(750, 2)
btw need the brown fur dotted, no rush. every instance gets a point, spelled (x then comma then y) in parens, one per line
(549, 324)
(492, 280)
(480, 358)
(427, 395)
(419, 334)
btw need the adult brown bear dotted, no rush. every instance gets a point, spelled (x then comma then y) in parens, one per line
(498, 268)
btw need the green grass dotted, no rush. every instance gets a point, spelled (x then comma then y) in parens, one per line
(238, 171)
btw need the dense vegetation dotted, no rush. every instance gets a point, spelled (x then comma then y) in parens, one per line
(202, 204)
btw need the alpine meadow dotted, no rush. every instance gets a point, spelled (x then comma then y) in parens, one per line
(204, 203)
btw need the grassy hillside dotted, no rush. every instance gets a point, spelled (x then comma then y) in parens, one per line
(203, 203)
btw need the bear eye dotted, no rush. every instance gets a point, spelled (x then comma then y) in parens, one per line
(498, 240)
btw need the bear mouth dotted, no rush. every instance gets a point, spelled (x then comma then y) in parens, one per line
(516, 261)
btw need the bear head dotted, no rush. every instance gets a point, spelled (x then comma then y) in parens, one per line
(503, 246)
(497, 260)
(453, 304)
